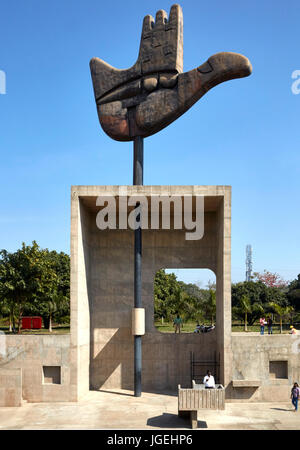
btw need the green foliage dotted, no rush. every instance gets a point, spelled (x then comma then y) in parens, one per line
(54, 302)
(281, 311)
(248, 297)
(246, 309)
(293, 294)
(208, 305)
(34, 281)
(165, 288)
(188, 300)
(263, 297)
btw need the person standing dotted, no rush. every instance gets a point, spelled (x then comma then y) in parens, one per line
(209, 381)
(262, 322)
(295, 394)
(270, 323)
(177, 323)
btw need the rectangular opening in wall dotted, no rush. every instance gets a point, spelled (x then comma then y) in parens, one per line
(185, 300)
(51, 375)
(278, 369)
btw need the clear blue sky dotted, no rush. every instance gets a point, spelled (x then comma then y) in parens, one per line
(244, 133)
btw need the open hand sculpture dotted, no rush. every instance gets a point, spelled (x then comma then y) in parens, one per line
(147, 97)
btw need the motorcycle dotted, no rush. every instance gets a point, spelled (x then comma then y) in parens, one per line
(204, 328)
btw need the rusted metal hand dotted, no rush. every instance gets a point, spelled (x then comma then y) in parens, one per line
(147, 97)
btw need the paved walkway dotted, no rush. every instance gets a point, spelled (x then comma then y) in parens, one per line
(121, 410)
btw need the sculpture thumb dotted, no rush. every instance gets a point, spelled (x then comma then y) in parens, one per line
(164, 106)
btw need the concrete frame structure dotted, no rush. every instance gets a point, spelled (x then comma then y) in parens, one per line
(98, 353)
(102, 291)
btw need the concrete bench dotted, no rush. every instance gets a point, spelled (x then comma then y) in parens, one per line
(190, 401)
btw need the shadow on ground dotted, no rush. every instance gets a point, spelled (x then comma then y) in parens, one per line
(131, 394)
(105, 391)
(167, 420)
(281, 409)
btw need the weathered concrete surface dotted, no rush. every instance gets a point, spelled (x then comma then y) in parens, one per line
(10, 387)
(257, 380)
(102, 292)
(105, 410)
(21, 369)
(99, 350)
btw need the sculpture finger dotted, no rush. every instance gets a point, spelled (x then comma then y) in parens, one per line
(161, 47)
(161, 18)
(176, 16)
(148, 24)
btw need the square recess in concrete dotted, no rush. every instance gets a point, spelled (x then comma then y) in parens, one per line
(278, 369)
(51, 375)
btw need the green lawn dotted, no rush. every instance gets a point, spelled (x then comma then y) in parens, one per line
(189, 327)
(167, 327)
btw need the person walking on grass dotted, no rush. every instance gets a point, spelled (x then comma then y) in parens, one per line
(295, 394)
(177, 323)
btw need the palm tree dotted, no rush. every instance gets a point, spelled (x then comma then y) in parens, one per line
(57, 303)
(258, 308)
(245, 306)
(281, 311)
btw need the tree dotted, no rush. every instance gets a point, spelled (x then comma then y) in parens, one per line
(165, 289)
(293, 294)
(53, 303)
(256, 292)
(21, 277)
(270, 279)
(211, 306)
(209, 303)
(7, 309)
(34, 280)
(246, 308)
(199, 301)
(276, 295)
(281, 311)
(183, 304)
(173, 297)
(58, 297)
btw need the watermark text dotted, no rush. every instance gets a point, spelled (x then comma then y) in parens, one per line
(155, 212)
(296, 84)
(2, 82)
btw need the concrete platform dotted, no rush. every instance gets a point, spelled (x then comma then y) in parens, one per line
(121, 410)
